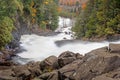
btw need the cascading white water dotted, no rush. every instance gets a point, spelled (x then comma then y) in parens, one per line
(40, 47)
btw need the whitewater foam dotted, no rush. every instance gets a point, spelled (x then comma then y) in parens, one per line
(40, 47)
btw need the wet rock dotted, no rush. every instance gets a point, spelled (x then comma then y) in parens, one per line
(66, 58)
(114, 48)
(50, 76)
(49, 64)
(5, 58)
(64, 38)
(7, 75)
(6, 63)
(79, 56)
(7, 54)
(14, 44)
(66, 32)
(19, 49)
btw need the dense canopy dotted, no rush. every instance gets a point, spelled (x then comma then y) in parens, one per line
(41, 12)
(99, 18)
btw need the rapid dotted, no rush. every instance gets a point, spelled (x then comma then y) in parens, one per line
(37, 48)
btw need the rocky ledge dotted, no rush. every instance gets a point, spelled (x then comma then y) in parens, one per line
(99, 64)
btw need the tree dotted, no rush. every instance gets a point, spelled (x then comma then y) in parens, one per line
(99, 18)
(41, 12)
(8, 9)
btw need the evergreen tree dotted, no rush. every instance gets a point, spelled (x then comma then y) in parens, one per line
(99, 18)
(41, 12)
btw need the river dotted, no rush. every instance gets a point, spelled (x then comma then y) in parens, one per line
(38, 48)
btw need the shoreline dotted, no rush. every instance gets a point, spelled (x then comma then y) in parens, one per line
(112, 38)
(65, 64)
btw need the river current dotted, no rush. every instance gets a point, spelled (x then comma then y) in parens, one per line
(38, 48)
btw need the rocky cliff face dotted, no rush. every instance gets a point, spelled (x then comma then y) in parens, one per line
(100, 64)
(21, 28)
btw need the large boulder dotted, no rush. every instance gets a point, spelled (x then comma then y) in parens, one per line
(66, 58)
(98, 63)
(95, 63)
(22, 72)
(34, 68)
(67, 71)
(49, 64)
(114, 48)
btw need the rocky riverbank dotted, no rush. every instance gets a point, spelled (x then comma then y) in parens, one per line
(114, 37)
(99, 64)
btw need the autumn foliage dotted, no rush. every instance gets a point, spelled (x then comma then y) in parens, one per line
(83, 6)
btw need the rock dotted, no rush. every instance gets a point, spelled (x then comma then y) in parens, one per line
(100, 62)
(7, 75)
(95, 63)
(78, 56)
(50, 76)
(114, 48)
(66, 58)
(113, 37)
(69, 70)
(49, 64)
(66, 32)
(14, 44)
(64, 38)
(1, 58)
(103, 77)
(5, 57)
(34, 68)
(6, 63)
(22, 72)
(7, 54)
(113, 75)
(37, 79)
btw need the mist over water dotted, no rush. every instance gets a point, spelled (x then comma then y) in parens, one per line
(40, 47)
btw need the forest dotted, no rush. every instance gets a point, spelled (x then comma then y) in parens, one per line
(94, 18)
(41, 12)
(100, 18)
